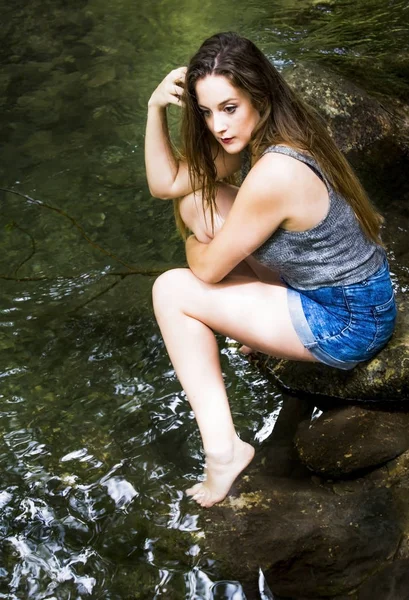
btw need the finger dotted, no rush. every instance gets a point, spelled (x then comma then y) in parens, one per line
(178, 90)
(181, 76)
(176, 100)
(178, 74)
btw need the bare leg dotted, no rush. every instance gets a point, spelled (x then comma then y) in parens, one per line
(188, 311)
(199, 222)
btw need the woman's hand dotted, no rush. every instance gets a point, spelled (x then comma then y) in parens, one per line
(170, 90)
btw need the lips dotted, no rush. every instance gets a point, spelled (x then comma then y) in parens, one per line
(226, 140)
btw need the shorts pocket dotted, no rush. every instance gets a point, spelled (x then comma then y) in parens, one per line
(385, 317)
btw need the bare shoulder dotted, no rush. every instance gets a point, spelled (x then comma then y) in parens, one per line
(273, 175)
(279, 165)
(289, 186)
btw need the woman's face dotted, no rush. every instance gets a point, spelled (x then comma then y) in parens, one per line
(228, 112)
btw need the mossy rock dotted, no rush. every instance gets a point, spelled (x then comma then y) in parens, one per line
(385, 378)
(355, 118)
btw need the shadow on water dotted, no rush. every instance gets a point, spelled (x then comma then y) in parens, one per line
(98, 442)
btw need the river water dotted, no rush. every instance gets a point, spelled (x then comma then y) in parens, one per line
(98, 442)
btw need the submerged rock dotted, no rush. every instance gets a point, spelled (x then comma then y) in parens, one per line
(40, 107)
(102, 75)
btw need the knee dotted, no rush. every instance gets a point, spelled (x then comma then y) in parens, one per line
(168, 289)
(199, 220)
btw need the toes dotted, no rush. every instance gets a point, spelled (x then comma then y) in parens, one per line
(199, 495)
(194, 490)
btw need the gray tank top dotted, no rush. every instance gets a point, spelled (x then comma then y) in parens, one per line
(334, 252)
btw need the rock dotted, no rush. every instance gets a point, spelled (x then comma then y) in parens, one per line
(383, 169)
(352, 438)
(96, 219)
(40, 144)
(43, 47)
(390, 583)
(384, 378)
(103, 75)
(313, 537)
(114, 167)
(309, 541)
(316, 539)
(5, 79)
(41, 107)
(355, 119)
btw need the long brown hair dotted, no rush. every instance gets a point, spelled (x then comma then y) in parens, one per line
(284, 119)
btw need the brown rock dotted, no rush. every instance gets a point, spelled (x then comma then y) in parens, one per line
(309, 541)
(389, 583)
(352, 438)
(314, 538)
(384, 378)
(355, 119)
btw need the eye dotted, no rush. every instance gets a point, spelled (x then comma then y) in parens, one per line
(205, 113)
(230, 109)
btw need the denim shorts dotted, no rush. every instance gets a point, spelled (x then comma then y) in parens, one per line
(344, 325)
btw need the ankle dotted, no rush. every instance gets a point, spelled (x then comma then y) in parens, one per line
(222, 455)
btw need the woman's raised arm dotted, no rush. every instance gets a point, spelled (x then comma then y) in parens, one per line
(167, 176)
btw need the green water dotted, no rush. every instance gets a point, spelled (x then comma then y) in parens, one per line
(98, 442)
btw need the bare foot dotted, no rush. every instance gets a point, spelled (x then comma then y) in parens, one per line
(220, 474)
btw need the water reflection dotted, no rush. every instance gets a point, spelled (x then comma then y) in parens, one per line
(95, 456)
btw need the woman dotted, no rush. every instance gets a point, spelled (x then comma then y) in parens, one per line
(290, 264)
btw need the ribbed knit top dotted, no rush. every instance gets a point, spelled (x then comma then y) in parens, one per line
(334, 252)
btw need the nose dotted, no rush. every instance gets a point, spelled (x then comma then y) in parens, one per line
(219, 124)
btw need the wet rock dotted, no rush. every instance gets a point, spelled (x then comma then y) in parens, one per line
(384, 378)
(355, 119)
(5, 79)
(383, 169)
(314, 537)
(309, 541)
(28, 77)
(39, 144)
(352, 438)
(69, 86)
(390, 583)
(114, 167)
(43, 47)
(41, 107)
(102, 76)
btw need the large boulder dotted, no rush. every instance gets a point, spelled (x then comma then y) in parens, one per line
(383, 379)
(315, 537)
(355, 119)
